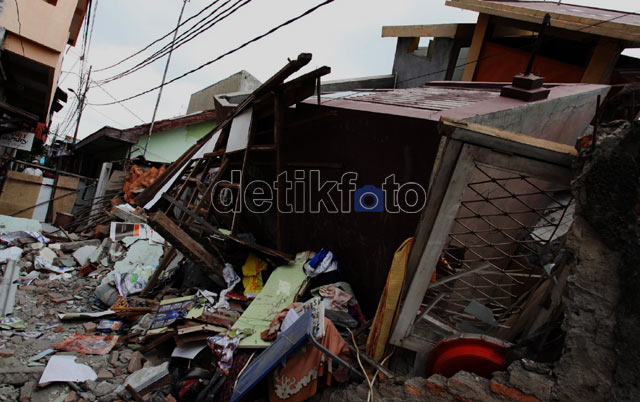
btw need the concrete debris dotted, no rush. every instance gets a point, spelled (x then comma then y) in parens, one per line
(168, 282)
(83, 253)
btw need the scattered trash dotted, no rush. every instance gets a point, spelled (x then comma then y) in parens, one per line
(109, 326)
(88, 344)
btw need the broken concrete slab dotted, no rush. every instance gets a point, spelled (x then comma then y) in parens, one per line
(14, 224)
(147, 376)
(63, 368)
(47, 255)
(82, 254)
(11, 253)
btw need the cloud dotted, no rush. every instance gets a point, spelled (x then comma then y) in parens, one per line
(345, 35)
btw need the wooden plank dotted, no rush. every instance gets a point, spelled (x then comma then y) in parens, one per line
(189, 329)
(508, 141)
(446, 160)
(64, 185)
(291, 67)
(193, 217)
(594, 26)
(278, 124)
(188, 246)
(476, 46)
(437, 239)
(523, 165)
(604, 59)
(458, 31)
(171, 254)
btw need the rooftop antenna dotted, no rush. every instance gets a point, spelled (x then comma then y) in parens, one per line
(528, 86)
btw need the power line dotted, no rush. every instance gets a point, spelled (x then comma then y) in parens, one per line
(164, 77)
(159, 39)
(123, 106)
(245, 44)
(182, 39)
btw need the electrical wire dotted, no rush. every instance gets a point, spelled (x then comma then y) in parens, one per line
(234, 50)
(159, 39)
(181, 39)
(123, 106)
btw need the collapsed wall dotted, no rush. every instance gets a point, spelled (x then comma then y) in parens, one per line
(602, 318)
(600, 298)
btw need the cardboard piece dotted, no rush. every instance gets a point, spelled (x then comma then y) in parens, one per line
(63, 368)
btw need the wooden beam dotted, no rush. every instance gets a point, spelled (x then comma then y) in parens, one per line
(604, 59)
(508, 141)
(476, 46)
(279, 77)
(437, 235)
(183, 242)
(596, 26)
(166, 260)
(458, 31)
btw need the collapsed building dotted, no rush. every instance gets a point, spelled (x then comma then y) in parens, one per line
(455, 240)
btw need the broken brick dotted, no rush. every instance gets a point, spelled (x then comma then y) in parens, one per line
(6, 352)
(437, 384)
(135, 363)
(26, 391)
(104, 374)
(511, 393)
(414, 386)
(89, 326)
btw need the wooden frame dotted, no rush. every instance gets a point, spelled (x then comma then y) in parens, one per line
(602, 27)
(462, 147)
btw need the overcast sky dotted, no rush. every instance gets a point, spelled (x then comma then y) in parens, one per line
(345, 35)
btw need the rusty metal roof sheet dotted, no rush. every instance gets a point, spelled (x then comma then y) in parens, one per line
(427, 98)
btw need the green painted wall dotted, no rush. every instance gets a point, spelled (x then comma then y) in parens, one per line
(169, 145)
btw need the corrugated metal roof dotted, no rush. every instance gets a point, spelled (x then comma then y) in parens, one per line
(427, 98)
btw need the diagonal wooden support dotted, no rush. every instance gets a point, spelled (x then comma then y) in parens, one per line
(186, 244)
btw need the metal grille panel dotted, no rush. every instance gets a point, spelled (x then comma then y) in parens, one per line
(498, 246)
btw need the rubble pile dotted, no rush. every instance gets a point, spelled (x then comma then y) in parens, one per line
(76, 316)
(519, 284)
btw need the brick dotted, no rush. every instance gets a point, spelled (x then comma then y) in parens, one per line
(529, 382)
(437, 385)
(466, 386)
(6, 352)
(26, 391)
(89, 326)
(511, 393)
(113, 358)
(71, 397)
(104, 374)
(135, 363)
(415, 386)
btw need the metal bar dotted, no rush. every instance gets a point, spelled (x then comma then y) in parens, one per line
(327, 352)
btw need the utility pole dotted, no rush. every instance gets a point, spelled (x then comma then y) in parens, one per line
(81, 98)
(164, 77)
